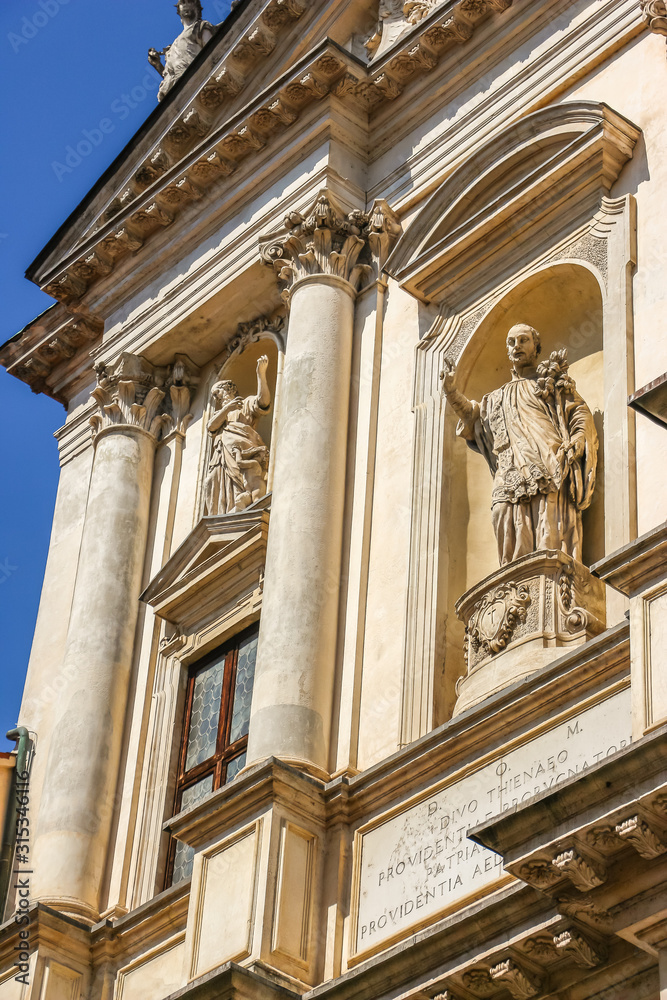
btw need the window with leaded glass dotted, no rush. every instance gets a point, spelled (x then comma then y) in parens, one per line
(215, 732)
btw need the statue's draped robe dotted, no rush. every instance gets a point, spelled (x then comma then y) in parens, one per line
(182, 53)
(237, 441)
(537, 496)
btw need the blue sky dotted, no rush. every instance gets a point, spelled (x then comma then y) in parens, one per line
(64, 66)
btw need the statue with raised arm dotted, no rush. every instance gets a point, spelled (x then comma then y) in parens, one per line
(181, 53)
(539, 440)
(239, 464)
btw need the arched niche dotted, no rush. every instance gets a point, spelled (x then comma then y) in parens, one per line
(238, 363)
(528, 221)
(564, 303)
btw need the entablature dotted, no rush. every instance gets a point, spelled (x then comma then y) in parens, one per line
(196, 151)
(47, 354)
(602, 834)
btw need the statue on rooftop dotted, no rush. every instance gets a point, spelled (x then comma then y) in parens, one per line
(239, 463)
(181, 53)
(538, 437)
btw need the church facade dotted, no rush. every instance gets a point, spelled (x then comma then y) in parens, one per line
(349, 674)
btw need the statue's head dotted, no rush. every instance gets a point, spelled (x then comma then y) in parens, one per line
(224, 390)
(523, 345)
(189, 10)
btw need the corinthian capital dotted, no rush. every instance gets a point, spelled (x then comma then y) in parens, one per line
(655, 15)
(326, 240)
(135, 393)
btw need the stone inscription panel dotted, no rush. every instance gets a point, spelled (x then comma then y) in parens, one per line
(419, 862)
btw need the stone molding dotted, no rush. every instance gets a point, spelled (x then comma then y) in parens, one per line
(581, 145)
(133, 393)
(35, 363)
(595, 827)
(328, 241)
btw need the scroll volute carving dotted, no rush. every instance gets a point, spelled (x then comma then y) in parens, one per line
(134, 393)
(655, 15)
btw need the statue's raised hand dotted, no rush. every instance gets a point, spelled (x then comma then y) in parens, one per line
(262, 364)
(448, 377)
(154, 58)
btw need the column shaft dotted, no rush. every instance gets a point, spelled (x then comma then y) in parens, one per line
(292, 701)
(77, 804)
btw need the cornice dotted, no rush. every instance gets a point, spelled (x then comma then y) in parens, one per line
(638, 564)
(47, 345)
(194, 154)
(592, 671)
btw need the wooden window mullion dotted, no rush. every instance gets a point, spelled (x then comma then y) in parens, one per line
(216, 765)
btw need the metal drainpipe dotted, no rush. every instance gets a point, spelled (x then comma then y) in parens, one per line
(23, 752)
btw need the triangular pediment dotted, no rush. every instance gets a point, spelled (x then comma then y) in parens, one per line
(267, 62)
(221, 557)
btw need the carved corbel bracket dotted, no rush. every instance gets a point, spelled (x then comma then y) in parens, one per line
(579, 948)
(584, 873)
(519, 983)
(645, 841)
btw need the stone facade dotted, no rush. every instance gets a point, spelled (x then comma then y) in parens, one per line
(298, 733)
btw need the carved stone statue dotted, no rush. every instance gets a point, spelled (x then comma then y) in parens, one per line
(395, 17)
(539, 439)
(181, 53)
(238, 468)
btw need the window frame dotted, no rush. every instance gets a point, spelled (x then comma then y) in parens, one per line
(225, 753)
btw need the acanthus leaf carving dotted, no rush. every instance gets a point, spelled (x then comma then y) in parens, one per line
(645, 841)
(655, 15)
(583, 909)
(352, 245)
(520, 983)
(132, 394)
(540, 874)
(579, 948)
(251, 333)
(584, 873)
(479, 982)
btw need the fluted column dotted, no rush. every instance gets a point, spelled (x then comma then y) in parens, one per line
(323, 258)
(77, 804)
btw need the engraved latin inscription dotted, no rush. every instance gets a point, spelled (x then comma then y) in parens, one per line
(421, 862)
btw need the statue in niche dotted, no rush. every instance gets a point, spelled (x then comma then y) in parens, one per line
(239, 464)
(181, 53)
(538, 437)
